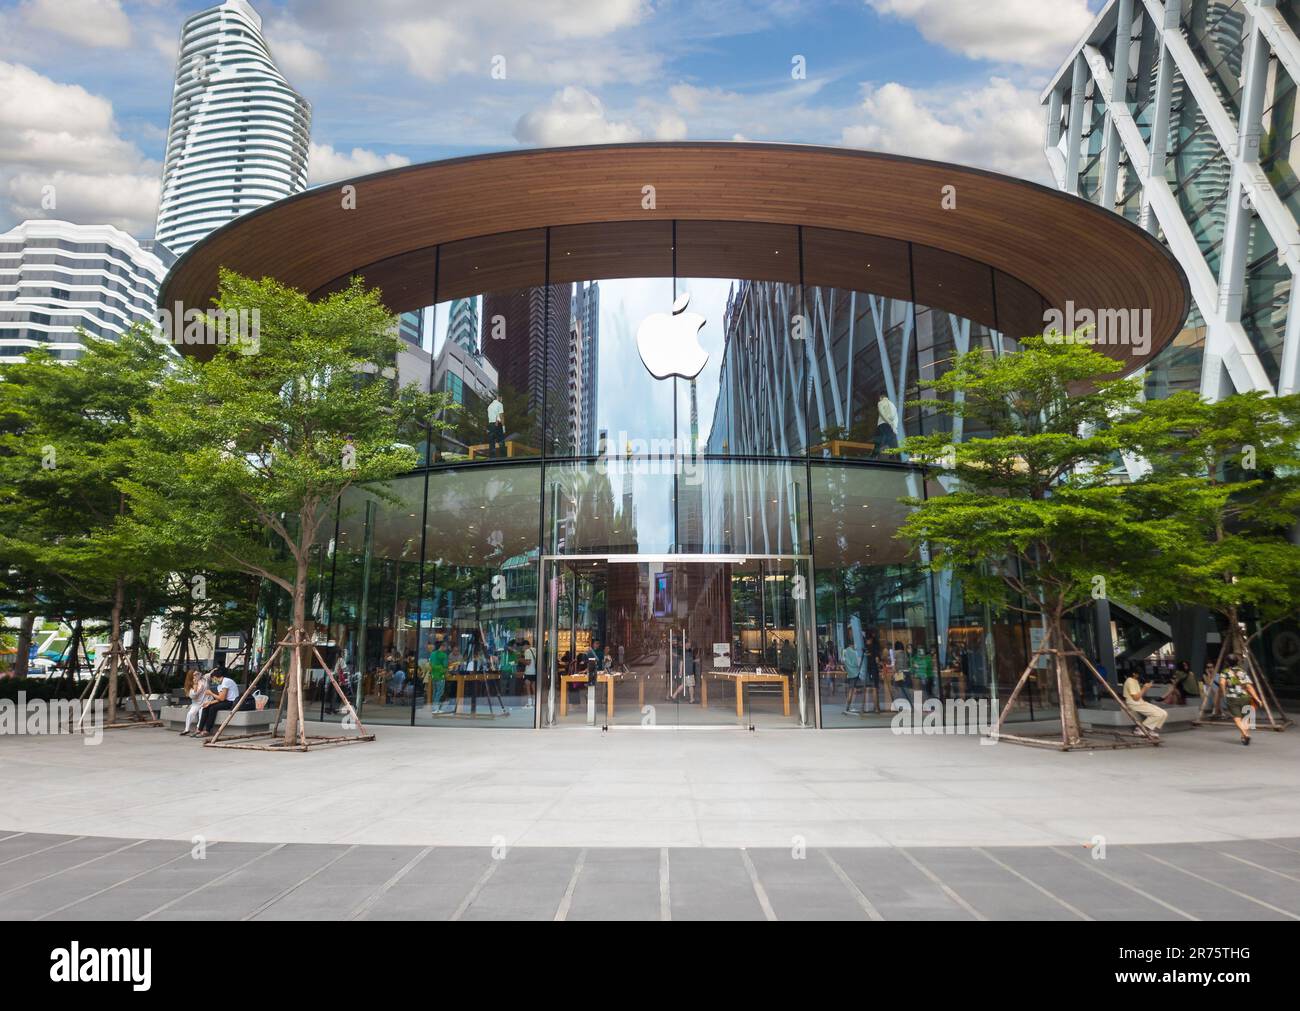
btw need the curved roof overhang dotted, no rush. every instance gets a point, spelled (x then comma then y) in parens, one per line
(992, 248)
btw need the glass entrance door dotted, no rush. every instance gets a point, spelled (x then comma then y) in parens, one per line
(677, 642)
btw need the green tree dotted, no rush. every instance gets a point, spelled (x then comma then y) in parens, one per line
(70, 436)
(1035, 521)
(1230, 471)
(252, 449)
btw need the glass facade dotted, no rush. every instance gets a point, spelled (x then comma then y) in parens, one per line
(592, 544)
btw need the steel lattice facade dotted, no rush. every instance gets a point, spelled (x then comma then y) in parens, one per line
(1180, 115)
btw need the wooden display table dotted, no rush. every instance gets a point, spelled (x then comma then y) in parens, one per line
(741, 677)
(843, 448)
(513, 449)
(461, 678)
(604, 677)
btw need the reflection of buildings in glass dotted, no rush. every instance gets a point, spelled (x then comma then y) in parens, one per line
(586, 321)
(577, 377)
(471, 381)
(772, 401)
(412, 360)
(462, 324)
(410, 327)
(526, 344)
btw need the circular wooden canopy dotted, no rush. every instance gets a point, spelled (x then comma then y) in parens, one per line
(988, 247)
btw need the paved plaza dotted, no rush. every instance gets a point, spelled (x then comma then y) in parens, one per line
(483, 823)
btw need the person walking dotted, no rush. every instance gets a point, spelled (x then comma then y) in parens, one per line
(529, 665)
(689, 668)
(437, 677)
(1240, 696)
(853, 679)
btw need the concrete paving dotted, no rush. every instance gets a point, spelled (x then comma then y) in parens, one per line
(484, 787)
(649, 825)
(84, 878)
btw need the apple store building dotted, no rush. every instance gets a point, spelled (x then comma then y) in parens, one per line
(670, 492)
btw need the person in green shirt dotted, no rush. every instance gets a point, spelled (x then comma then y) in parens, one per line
(924, 664)
(437, 675)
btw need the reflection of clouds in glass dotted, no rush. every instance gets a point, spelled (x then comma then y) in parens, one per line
(709, 299)
(630, 400)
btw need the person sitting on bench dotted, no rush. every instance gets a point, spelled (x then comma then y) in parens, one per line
(226, 694)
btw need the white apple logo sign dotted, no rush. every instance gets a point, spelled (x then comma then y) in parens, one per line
(670, 344)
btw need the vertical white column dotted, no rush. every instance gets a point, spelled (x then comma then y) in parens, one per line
(1078, 82)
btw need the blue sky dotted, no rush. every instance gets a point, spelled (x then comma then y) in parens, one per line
(85, 85)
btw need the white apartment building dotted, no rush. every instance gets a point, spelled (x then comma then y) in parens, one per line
(239, 133)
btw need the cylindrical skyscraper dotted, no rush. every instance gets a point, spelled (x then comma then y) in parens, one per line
(239, 133)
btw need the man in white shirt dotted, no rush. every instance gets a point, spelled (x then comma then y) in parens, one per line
(496, 427)
(227, 694)
(886, 436)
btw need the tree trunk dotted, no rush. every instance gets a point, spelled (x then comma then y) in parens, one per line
(115, 647)
(26, 624)
(293, 708)
(1073, 735)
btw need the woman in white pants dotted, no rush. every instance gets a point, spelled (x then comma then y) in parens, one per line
(198, 695)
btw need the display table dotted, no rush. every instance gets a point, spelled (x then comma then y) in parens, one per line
(606, 678)
(740, 677)
(462, 678)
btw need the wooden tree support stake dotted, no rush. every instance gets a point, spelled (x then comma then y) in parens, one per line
(296, 641)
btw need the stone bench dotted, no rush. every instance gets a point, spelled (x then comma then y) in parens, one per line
(1109, 716)
(246, 721)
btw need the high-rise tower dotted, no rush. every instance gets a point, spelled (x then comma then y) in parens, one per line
(239, 134)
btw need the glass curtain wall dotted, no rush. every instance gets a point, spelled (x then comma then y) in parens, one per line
(668, 446)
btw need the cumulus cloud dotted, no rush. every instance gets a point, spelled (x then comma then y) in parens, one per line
(325, 165)
(573, 116)
(1035, 33)
(61, 136)
(670, 126)
(299, 61)
(89, 22)
(997, 126)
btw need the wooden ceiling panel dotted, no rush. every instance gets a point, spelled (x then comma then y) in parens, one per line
(495, 207)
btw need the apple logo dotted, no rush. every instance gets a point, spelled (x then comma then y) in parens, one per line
(670, 344)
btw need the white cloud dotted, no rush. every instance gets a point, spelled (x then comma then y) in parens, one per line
(90, 22)
(299, 61)
(573, 116)
(1037, 33)
(997, 126)
(670, 126)
(325, 165)
(61, 136)
(556, 42)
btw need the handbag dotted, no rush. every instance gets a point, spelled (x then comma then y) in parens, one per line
(259, 700)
